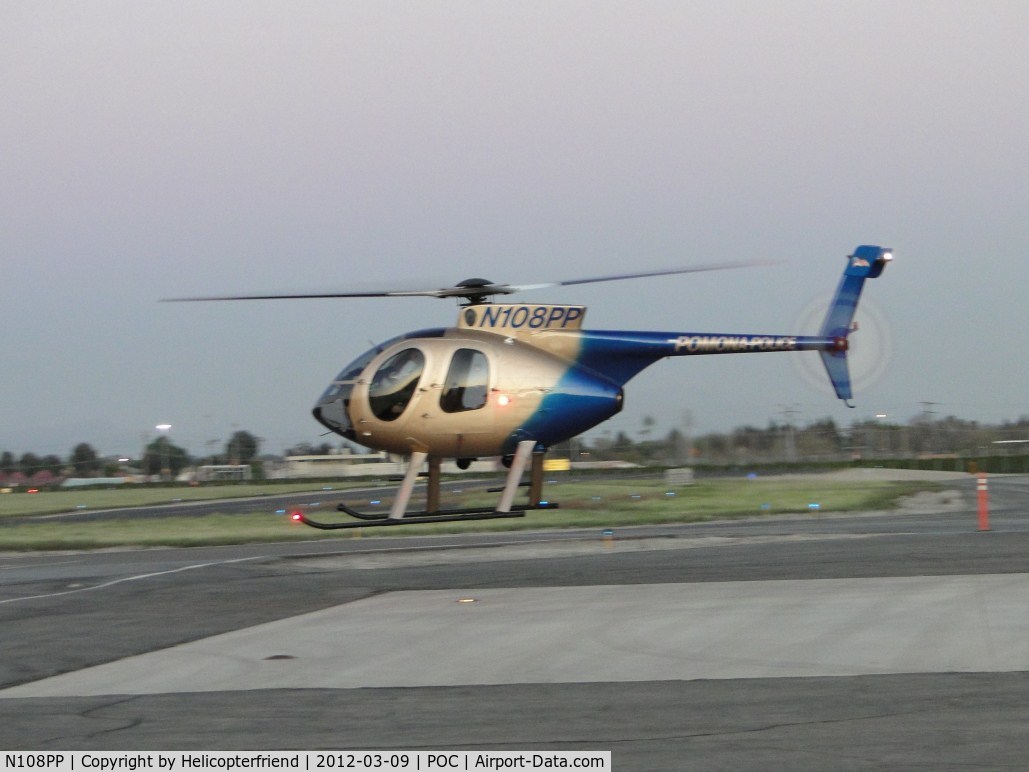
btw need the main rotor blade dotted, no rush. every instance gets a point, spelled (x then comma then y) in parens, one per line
(441, 293)
(645, 274)
(476, 290)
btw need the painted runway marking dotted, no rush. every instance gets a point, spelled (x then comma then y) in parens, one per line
(136, 578)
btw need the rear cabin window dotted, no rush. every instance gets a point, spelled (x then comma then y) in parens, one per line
(467, 382)
(394, 383)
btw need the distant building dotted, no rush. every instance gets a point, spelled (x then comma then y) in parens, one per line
(341, 463)
(223, 472)
(346, 463)
(79, 482)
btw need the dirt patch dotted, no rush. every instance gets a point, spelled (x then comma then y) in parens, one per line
(878, 474)
(932, 501)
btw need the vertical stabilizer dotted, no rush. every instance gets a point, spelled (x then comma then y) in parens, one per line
(867, 262)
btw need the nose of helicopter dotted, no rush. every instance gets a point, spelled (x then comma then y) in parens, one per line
(332, 414)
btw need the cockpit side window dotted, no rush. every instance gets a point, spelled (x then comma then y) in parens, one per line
(394, 383)
(467, 382)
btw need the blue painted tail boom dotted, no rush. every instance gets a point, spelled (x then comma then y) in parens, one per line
(619, 355)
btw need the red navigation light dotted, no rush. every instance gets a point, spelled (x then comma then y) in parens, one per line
(297, 517)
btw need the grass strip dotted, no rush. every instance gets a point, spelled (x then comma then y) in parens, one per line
(596, 503)
(71, 500)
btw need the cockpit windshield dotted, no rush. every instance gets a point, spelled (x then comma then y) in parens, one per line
(333, 408)
(348, 376)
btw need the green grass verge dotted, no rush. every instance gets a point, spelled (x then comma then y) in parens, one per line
(55, 502)
(592, 504)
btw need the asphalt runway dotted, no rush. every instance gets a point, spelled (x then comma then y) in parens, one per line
(855, 642)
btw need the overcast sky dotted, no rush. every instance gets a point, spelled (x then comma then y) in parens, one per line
(150, 150)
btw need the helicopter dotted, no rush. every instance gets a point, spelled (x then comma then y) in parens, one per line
(511, 380)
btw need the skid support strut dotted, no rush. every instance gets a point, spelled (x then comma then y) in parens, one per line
(536, 479)
(514, 474)
(432, 490)
(396, 512)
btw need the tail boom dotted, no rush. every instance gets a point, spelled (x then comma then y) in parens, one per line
(618, 355)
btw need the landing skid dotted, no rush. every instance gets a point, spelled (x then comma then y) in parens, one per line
(437, 514)
(443, 516)
(432, 513)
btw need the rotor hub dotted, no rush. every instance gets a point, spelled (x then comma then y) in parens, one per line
(478, 291)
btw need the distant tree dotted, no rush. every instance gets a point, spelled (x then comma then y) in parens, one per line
(716, 446)
(241, 448)
(29, 464)
(307, 449)
(84, 460)
(52, 464)
(676, 447)
(749, 440)
(820, 438)
(161, 454)
(7, 463)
